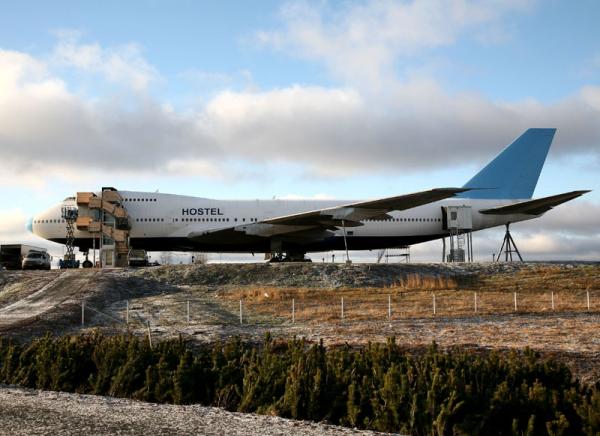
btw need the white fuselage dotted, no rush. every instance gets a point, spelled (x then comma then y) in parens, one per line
(164, 221)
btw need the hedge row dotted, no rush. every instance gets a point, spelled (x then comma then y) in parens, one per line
(377, 387)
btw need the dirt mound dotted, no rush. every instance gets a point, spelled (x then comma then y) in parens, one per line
(329, 276)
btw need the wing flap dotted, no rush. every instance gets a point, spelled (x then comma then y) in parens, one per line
(534, 207)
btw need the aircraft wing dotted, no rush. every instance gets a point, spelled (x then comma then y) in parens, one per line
(534, 207)
(332, 218)
(353, 213)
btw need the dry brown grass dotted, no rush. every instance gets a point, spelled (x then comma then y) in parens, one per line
(413, 297)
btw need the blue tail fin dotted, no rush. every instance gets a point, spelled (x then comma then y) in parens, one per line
(514, 173)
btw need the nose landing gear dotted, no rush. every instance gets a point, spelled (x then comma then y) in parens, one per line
(87, 263)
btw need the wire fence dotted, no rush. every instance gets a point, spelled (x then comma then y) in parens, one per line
(408, 305)
(288, 308)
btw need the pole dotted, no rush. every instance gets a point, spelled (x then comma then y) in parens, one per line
(444, 249)
(293, 310)
(515, 297)
(433, 304)
(100, 239)
(345, 242)
(241, 319)
(127, 311)
(588, 299)
(389, 307)
(82, 313)
(342, 307)
(188, 311)
(471, 245)
(552, 298)
(475, 301)
(94, 249)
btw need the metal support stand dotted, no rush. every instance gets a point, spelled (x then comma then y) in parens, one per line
(346, 242)
(508, 247)
(443, 249)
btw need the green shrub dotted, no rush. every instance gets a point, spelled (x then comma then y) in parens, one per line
(376, 387)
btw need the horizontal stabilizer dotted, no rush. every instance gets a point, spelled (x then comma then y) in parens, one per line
(534, 207)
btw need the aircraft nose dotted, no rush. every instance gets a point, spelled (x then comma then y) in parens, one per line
(29, 225)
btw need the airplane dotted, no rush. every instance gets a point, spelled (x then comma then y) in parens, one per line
(286, 230)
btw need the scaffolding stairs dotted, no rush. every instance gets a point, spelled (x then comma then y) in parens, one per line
(104, 215)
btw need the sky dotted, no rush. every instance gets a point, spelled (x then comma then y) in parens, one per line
(346, 99)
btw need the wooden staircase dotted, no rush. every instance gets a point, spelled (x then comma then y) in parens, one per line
(110, 203)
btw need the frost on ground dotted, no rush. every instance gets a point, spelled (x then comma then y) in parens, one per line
(380, 300)
(33, 412)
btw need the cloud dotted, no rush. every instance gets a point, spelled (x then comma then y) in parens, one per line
(328, 131)
(119, 64)
(362, 40)
(13, 231)
(317, 126)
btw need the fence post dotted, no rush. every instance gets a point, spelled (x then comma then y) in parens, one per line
(82, 313)
(552, 298)
(475, 301)
(515, 298)
(342, 307)
(434, 304)
(293, 310)
(126, 311)
(188, 311)
(588, 299)
(389, 307)
(241, 316)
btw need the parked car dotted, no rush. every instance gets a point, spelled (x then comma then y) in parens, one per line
(37, 260)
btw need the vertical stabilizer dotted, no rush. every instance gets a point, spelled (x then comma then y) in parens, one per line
(514, 173)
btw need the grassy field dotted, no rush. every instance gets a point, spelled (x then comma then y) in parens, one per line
(550, 289)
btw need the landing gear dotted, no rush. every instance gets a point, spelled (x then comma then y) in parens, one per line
(87, 263)
(290, 256)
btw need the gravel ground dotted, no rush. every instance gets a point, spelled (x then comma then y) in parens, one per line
(33, 412)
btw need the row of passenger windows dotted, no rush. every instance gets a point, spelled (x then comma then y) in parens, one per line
(139, 199)
(203, 220)
(243, 220)
(404, 220)
(188, 220)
